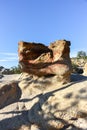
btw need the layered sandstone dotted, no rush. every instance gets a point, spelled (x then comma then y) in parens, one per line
(40, 60)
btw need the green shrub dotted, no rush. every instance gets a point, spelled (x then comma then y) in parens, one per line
(16, 69)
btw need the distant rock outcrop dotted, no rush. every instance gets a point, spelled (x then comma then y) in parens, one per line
(4, 70)
(79, 65)
(80, 62)
(40, 60)
(85, 69)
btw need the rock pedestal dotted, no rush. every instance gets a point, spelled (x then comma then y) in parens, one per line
(38, 59)
(38, 100)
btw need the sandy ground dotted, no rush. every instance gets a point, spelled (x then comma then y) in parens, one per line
(11, 77)
(6, 78)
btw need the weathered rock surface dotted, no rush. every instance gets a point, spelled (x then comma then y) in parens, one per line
(45, 104)
(53, 106)
(85, 69)
(38, 100)
(40, 60)
(79, 65)
(9, 93)
(80, 62)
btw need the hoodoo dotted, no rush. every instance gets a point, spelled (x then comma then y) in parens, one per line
(38, 59)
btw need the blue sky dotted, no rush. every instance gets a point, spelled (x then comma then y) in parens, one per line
(41, 21)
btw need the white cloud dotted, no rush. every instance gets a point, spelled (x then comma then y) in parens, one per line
(8, 57)
(8, 60)
(8, 54)
(11, 58)
(1, 60)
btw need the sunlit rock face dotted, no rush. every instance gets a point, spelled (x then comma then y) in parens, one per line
(38, 59)
(85, 69)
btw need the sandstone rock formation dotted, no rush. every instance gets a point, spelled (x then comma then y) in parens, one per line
(46, 105)
(78, 65)
(40, 60)
(80, 62)
(9, 93)
(85, 69)
(37, 100)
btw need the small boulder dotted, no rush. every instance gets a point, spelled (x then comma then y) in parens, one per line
(9, 93)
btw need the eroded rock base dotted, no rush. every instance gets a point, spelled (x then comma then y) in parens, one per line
(44, 105)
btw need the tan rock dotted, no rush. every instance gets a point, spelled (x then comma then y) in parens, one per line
(54, 107)
(41, 60)
(46, 105)
(85, 69)
(9, 93)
